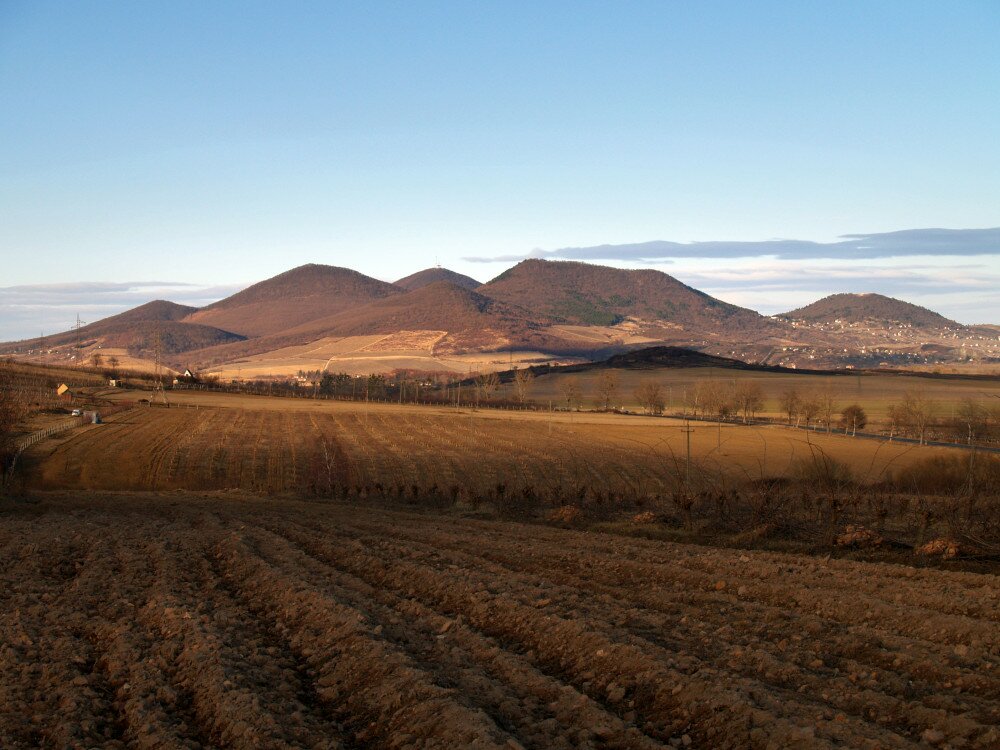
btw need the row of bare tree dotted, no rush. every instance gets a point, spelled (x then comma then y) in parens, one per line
(914, 415)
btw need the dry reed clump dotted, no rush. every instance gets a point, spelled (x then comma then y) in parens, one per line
(647, 516)
(566, 514)
(859, 536)
(945, 548)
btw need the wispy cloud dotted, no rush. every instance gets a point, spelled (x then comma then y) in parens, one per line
(965, 292)
(908, 242)
(26, 311)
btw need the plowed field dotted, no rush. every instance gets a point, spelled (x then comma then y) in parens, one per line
(298, 445)
(179, 621)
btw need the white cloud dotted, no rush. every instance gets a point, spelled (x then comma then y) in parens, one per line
(904, 243)
(26, 311)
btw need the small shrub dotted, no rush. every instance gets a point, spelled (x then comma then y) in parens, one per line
(567, 514)
(945, 548)
(858, 536)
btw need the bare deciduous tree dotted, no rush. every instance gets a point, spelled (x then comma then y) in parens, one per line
(697, 397)
(748, 398)
(488, 384)
(809, 409)
(650, 396)
(791, 404)
(607, 387)
(974, 418)
(917, 413)
(827, 401)
(523, 380)
(571, 392)
(717, 399)
(853, 418)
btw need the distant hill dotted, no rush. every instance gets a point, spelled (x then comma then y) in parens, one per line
(291, 299)
(430, 275)
(548, 310)
(137, 328)
(468, 320)
(585, 294)
(158, 309)
(860, 308)
(667, 357)
(657, 357)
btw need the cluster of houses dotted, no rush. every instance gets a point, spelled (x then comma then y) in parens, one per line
(65, 393)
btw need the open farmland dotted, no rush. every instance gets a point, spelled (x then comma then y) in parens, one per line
(221, 441)
(873, 391)
(184, 621)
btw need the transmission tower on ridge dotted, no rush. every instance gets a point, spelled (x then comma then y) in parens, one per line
(76, 327)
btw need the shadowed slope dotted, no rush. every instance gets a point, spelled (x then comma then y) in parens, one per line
(137, 328)
(291, 299)
(584, 294)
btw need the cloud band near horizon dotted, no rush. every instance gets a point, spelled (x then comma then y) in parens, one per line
(903, 243)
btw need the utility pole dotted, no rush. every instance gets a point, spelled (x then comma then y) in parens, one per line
(157, 353)
(687, 430)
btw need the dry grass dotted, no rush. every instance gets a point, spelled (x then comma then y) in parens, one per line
(211, 441)
(875, 392)
(749, 486)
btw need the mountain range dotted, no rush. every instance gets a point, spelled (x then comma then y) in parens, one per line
(322, 317)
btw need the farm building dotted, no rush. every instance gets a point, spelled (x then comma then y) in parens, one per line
(186, 377)
(64, 393)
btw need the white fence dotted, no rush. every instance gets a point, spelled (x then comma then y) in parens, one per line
(68, 424)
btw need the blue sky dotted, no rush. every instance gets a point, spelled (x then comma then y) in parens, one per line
(215, 144)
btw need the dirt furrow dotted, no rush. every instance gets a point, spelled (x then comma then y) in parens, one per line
(219, 659)
(377, 690)
(760, 643)
(601, 666)
(660, 590)
(539, 711)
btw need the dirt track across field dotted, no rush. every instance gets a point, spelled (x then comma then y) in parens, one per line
(185, 621)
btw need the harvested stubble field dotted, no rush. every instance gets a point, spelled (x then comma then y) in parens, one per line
(173, 620)
(276, 445)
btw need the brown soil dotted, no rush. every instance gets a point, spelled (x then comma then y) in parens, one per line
(224, 621)
(291, 445)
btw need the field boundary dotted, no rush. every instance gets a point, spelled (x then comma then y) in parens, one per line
(36, 437)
